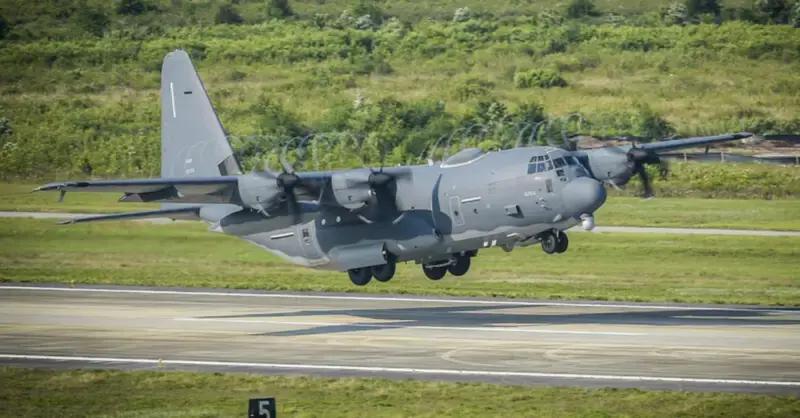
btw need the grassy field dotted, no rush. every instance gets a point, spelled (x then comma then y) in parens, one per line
(633, 267)
(618, 210)
(34, 393)
(88, 104)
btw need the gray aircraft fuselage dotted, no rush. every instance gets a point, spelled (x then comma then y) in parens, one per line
(471, 201)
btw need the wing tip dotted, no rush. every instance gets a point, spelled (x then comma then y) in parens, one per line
(47, 187)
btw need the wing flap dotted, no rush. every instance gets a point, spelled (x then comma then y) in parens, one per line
(192, 212)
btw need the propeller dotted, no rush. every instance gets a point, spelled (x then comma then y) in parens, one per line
(635, 157)
(638, 158)
(384, 186)
(285, 183)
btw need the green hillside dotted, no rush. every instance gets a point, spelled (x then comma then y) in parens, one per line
(79, 87)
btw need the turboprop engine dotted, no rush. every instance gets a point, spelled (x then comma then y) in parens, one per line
(352, 190)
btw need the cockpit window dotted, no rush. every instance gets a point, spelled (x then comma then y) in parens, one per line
(540, 164)
(559, 162)
(571, 160)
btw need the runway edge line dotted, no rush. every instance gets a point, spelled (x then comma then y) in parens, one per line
(399, 370)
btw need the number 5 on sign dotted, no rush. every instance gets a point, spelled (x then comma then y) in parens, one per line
(262, 408)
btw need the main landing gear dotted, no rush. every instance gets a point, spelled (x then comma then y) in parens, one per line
(458, 265)
(383, 273)
(554, 242)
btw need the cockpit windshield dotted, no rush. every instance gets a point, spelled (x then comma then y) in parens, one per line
(544, 163)
(540, 164)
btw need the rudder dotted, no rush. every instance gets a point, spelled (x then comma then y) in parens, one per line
(193, 142)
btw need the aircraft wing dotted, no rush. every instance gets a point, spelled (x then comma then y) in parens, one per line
(249, 190)
(192, 212)
(691, 142)
(191, 190)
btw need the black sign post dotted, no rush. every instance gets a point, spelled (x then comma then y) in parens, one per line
(261, 408)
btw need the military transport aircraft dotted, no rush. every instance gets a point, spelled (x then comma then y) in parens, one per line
(365, 221)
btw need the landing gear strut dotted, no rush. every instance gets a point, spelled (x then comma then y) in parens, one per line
(554, 242)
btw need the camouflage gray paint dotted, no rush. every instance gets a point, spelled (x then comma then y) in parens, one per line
(365, 221)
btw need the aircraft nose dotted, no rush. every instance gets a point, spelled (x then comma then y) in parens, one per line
(583, 195)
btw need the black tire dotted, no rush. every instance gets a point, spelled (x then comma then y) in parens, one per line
(461, 267)
(385, 272)
(361, 276)
(563, 242)
(434, 273)
(549, 243)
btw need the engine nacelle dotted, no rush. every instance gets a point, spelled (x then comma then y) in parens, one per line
(351, 189)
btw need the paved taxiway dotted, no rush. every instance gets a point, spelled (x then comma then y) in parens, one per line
(593, 344)
(627, 229)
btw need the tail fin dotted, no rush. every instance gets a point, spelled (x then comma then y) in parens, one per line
(193, 142)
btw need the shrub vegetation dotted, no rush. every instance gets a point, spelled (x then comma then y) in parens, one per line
(79, 90)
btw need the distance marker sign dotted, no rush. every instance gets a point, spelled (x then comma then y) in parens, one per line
(261, 408)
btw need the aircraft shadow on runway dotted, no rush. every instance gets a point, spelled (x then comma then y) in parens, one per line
(487, 317)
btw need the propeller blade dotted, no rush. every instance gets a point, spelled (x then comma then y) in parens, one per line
(642, 171)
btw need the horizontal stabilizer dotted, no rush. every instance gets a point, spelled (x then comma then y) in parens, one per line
(188, 212)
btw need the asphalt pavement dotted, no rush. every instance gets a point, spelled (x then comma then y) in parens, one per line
(526, 342)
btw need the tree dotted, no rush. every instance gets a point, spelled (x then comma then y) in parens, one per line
(4, 27)
(227, 14)
(279, 8)
(698, 7)
(92, 20)
(134, 7)
(776, 11)
(580, 8)
(5, 127)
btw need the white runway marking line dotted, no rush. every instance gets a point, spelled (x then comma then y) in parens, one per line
(400, 370)
(392, 326)
(400, 299)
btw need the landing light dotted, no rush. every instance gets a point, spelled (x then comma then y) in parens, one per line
(587, 222)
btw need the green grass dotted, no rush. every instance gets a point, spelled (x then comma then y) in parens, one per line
(618, 210)
(631, 267)
(89, 393)
(78, 106)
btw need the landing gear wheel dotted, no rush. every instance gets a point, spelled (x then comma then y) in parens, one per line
(549, 243)
(563, 242)
(361, 276)
(385, 272)
(461, 266)
(434, 273)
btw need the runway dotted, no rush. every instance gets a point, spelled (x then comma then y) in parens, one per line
(597, 229)
(528, 342)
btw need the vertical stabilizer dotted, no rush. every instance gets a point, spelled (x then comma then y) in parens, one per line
(193, 142)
